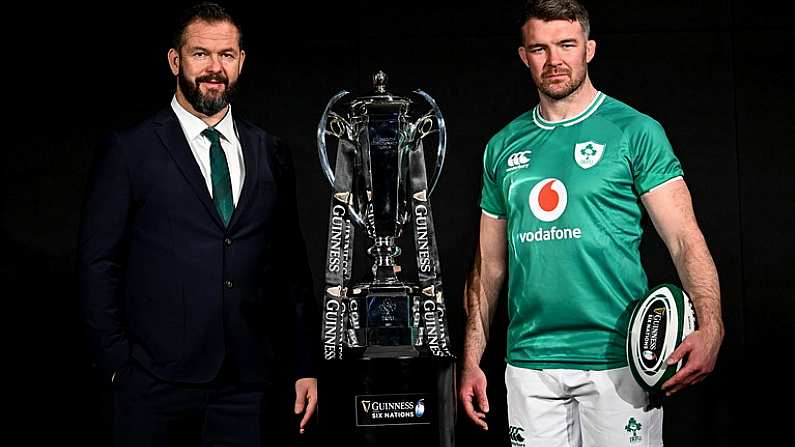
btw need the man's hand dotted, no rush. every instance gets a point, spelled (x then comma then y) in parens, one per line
(701, 352)
(305, 399)
(471, 391)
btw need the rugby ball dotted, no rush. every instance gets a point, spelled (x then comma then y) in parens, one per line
(659, 323)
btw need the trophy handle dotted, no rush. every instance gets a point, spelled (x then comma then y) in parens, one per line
(321, 135)
(442, 148)
(340, 128)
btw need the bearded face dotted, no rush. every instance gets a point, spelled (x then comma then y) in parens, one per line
(558, 82)
(557, 53)
(207, 65)
(208, 94)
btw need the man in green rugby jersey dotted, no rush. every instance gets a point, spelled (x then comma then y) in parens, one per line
(564, 188)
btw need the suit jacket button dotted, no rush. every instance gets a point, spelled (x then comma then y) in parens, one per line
(228, 242)
(228, 284)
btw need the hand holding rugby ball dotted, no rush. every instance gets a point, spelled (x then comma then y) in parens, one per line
(659, 323)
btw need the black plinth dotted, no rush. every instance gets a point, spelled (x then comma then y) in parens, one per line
(388, 402)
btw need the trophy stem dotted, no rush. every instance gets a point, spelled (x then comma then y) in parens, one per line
(384, 251)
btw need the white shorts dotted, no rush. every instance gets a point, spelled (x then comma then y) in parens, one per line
(573, 408)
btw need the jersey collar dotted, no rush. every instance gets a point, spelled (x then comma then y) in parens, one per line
(549, 125)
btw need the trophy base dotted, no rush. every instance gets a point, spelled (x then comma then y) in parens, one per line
(396, 352)
(388, 402)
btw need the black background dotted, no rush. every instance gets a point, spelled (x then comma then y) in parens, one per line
(714, 73)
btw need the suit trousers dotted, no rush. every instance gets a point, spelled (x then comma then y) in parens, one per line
(151, 412)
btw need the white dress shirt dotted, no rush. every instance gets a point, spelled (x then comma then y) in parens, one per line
(192, 127)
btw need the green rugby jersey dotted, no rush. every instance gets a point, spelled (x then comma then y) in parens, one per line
(570, 191)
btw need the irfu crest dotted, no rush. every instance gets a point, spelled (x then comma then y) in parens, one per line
(633, 427)
(588, 154)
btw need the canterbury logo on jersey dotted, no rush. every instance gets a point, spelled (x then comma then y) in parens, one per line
(518, 160)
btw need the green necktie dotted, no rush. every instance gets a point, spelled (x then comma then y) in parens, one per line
(219, 172)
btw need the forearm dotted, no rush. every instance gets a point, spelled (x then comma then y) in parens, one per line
(474, 340)
(482, 293)
(100, 269)
(306, 333)
(699, 278)
(293, 271)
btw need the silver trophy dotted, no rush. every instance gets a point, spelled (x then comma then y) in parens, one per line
(380, 186)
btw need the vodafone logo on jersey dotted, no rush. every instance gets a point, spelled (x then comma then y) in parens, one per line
(548, 199)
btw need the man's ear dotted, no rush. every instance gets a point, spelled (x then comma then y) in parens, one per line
(173, 61)
(242, 59)
(590, 50)
(523, 56)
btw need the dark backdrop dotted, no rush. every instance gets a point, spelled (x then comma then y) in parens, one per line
(713, 72)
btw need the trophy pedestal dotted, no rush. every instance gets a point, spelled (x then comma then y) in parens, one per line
(393, 352)
(388, 402)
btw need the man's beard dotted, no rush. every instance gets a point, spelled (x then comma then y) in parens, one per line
(570, 86)
(207, 104)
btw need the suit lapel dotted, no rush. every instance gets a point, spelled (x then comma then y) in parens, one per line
(249, 143)
(170, 132)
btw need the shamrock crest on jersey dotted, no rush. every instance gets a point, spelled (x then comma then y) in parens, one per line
(588, 154)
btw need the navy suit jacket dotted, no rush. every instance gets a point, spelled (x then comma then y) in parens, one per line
(162, 280)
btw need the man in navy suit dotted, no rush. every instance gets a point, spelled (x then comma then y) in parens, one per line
(192, 264)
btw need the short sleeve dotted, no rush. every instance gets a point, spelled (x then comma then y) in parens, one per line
(491, 197)
(653, 159)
